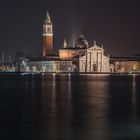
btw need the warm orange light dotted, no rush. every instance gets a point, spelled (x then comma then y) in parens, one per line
(134, 67)
(64, 54)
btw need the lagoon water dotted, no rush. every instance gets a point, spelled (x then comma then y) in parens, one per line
(70, 107)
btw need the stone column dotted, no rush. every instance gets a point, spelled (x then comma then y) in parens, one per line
(90, 61)
(101, 61)
(97, 61)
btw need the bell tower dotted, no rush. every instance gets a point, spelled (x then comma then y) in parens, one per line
(47, 36)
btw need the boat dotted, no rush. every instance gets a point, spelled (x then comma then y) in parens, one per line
(7, 67)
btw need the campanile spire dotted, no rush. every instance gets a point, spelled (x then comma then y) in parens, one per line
(48, 19)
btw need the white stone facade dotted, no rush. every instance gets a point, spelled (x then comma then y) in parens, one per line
(94, 60)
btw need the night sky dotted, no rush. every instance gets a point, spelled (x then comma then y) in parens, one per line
(113, 23)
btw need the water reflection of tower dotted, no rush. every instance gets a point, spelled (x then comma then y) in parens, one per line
(47, 36)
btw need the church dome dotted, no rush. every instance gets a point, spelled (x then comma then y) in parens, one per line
(81, 42)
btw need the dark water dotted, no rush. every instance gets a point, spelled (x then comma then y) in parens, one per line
(70, 107)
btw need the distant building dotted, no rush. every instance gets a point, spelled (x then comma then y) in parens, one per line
(45, 65)
(125, 64)
(67, 53)
(94, 60)
(47, 36)
(86, 58)
(78, 58)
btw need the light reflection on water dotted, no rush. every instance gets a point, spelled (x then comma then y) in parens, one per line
(71, 107)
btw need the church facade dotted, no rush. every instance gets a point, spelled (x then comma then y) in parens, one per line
(94, 60)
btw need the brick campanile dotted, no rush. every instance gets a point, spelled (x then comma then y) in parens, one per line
(47, 36)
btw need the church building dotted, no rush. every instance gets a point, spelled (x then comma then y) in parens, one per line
(86, 58)
(78, 58)
(94, 60)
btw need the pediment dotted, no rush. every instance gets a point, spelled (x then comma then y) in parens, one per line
(95, 48)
